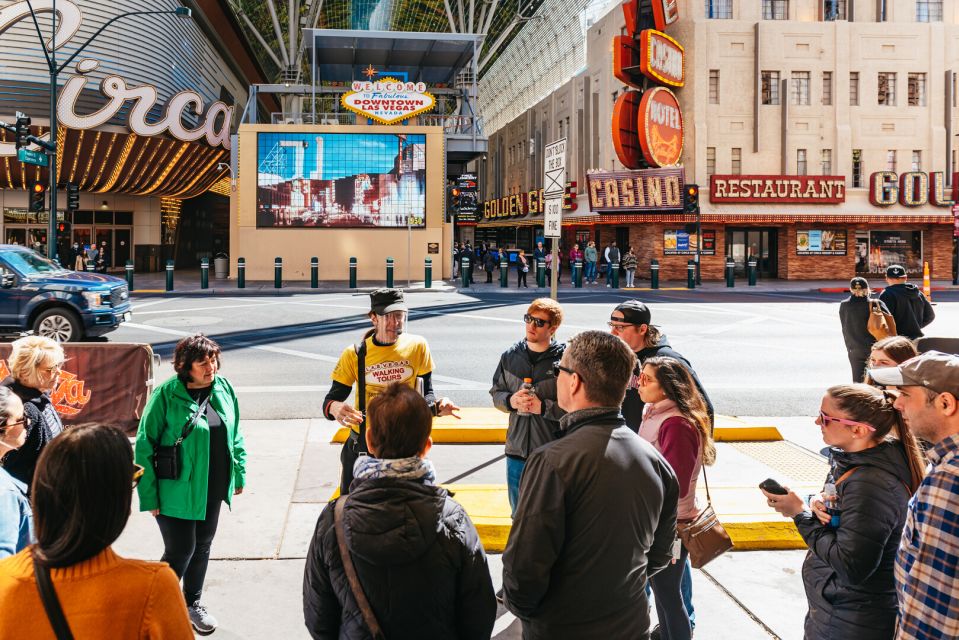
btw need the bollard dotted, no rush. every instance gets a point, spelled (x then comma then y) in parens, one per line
(428, 275)
(204, 273)
(751, 271)
(352, 273)
(503, 269)
(314, 273)
(541, 273)
(169, 275)
(615, 272)
(278, 273)
(730, 272)
(389, 273)
(129, 275)
(578, 274)
(90, 266)
(691, 274)
(465, 272)
(241, 273)
(654, 274)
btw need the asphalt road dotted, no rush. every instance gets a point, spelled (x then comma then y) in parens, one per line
(756, 353)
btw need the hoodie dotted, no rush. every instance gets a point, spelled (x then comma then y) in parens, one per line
(909, 307)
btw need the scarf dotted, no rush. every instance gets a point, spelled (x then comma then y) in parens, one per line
(415, 468)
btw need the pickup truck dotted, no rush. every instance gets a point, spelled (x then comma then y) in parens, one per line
(37, 294)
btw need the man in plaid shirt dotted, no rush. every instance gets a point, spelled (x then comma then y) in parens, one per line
(927, 566)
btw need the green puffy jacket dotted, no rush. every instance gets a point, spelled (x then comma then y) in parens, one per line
(166, 413)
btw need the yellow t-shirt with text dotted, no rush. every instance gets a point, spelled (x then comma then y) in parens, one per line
(401, 361)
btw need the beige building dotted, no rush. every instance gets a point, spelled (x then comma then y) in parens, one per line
(775, 89)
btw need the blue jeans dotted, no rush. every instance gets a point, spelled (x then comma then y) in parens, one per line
(514, 473)
(686, 590)
(590, 272)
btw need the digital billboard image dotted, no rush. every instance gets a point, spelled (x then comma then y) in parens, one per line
(343, 180)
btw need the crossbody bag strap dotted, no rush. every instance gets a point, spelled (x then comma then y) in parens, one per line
(191, 423)
(709, 500)
(350, 570)
(361, 390)
(51, 603)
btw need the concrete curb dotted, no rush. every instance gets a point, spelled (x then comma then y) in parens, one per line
(285, 291)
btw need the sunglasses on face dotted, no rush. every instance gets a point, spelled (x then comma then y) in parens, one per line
(557, 367)
(849, 423)
(539, 322)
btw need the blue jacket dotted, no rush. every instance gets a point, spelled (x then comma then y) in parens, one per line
(16, 518)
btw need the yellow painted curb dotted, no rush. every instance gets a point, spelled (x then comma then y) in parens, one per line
(756, 536)
(747, 434)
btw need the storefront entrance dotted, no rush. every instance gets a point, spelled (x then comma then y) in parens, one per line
(743, 244)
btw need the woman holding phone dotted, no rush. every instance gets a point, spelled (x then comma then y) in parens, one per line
(853, 528)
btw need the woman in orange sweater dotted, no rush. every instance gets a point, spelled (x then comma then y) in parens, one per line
(81, 494)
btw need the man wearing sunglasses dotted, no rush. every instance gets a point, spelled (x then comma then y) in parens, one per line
(927, 566)
(533, 415)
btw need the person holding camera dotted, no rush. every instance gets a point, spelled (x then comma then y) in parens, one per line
(191, 448)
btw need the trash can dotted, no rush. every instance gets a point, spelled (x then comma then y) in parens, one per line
(221, 266)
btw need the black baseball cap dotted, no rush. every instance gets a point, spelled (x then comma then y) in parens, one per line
(895, 271)
(383, 301)
(634, 312)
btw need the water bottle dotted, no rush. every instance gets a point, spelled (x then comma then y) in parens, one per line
(527, 386)
(831, 499)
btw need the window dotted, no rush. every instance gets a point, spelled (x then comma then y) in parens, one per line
(825, 167)
(928, 10)
(857, 168)
(827, 87)
(737, 161)
(887, 89)
(770, 87)
(891, 160)
(834, 10)
(719, 9)
(775, 9)
(800, 87)
(917, 160)
(800, 162)
(714, 86)
(917, 89)
(854, 89)
(710, 160)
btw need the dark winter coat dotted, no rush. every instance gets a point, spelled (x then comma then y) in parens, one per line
(854, 318)
(909, 307)
(848, 573)
(526, 433)
(633, 405)
(596, 518)
(418, 558)
(44, 425)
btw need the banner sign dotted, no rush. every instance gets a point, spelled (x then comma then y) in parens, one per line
(101, 383)
(648, 190)
(681, 243)
(523, 204)
(821, 242)
(777, 189)
(661, 58)
(388, 101)
(467, 185)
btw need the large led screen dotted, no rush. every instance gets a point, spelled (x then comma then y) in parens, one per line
(325, 180)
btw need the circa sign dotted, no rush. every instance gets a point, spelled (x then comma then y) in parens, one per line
(777, 189)
(912, 189)
(388, 101)
(650, 190)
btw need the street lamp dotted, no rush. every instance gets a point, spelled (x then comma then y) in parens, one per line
(51, 146)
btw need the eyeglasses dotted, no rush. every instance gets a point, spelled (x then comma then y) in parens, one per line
(539, 322)
(850, 423)
(23, 422)
(557, 367)
(618, 324)
(137, 474)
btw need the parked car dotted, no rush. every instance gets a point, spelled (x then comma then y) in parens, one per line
(38, 294)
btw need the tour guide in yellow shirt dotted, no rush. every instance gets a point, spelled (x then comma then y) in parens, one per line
(390, 356)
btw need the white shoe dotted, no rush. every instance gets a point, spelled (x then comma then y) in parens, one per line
(203, 623)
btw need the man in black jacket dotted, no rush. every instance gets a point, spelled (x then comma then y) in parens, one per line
(854, 318)
(597, 509)
(417, 555)
(908, 306)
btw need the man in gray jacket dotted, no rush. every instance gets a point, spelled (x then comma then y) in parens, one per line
(533, 414)
(597, 509)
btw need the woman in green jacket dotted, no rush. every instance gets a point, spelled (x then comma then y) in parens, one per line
(202, 407)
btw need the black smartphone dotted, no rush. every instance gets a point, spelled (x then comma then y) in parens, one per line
(771, 486)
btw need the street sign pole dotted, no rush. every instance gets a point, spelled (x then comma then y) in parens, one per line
(554, 184)
(955, 245)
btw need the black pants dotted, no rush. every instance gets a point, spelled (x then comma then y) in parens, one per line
(186, 548)
(673, 619)
(857, 362)
(489, 275)
(348, 456)
(521, 278)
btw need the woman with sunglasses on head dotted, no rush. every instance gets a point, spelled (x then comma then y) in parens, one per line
(522, 268)
(81, 495)
(15, 515)
(875, 466)
(676, 422)
(35, 364)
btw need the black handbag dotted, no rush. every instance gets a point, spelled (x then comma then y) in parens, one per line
(168, 459)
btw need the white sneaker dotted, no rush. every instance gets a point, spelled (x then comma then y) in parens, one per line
(201, 619)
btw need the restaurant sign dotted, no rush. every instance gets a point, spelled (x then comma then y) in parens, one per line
(633, 191)
(777, 189)
(388, 101)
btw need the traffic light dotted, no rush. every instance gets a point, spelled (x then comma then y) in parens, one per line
(453, 195)
(691, 198)
(73, 196)
(23, 130)
(456, 194)
(38, 191)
